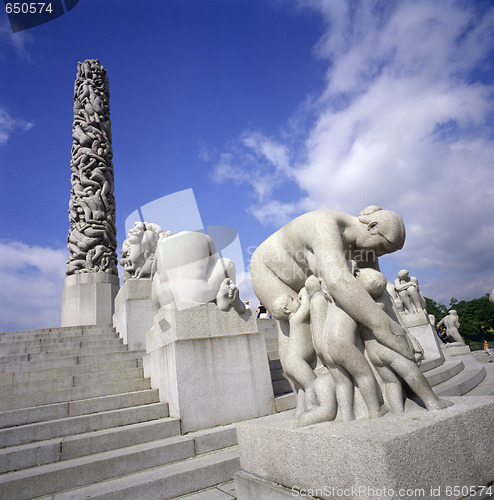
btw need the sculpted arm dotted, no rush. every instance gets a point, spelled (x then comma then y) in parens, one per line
(350, 295)
(303, 311)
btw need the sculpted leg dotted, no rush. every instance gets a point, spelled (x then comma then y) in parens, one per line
(341, 337)
(324, 388)
(410, 372)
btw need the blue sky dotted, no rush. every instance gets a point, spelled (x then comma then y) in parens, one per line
(266, 109)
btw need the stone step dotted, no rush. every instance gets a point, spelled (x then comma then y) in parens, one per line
(430, 364)
(42, 413)
(106, 465)
(486, 387)
(277, 374)
(73, 394)
(54, 450)
(68, 382)
(66, 345)
(165, 482)
(28, 376)
(23, 362)
(59, 339)
(79, 351)
(82, 348)
(70, 331)
(465, 381)
(450, 368)
(281, 387)
(285, 402)
(223, 491)
(67, 426)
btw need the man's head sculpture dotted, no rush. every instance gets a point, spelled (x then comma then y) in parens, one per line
(386, 230)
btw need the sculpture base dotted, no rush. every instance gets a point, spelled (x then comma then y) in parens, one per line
(88, 299)
(420, 454)
(210, 366)
(134, 312)
(455, 349)
(419, 326)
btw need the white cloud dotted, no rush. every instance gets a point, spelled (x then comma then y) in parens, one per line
(256, 161)
(8, 125)
(31, 280)
(404, 122)
(18, 42)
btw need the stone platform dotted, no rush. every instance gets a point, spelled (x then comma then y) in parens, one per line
(88, 299)
(134, 312)
(426, 453)
(211, 366)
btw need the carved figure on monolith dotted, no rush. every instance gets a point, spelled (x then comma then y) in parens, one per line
(92, 234)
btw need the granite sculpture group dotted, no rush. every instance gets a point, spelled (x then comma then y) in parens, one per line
(329, 299)
(319, 276)
(345, 336)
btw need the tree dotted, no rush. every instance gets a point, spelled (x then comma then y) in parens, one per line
(476, 316)
(436, 309)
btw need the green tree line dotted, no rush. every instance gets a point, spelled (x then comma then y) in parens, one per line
(476, 317)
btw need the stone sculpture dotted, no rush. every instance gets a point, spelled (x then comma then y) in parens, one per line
(491, 297)
(92, 234)
(452, 325)
(188, 272)
(138, 250)
(315, 251)
(407, 289)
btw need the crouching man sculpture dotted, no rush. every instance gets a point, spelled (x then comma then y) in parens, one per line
(321, 246)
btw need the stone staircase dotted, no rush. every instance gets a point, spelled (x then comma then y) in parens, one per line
(79, 420)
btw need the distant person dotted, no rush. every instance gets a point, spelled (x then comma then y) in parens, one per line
(487, 351)
(441, 332)
(262, 312)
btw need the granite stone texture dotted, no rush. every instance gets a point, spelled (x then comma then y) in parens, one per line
(88, 299)
(211, 366)
(134, 312)
(419, 326)
(421, 451)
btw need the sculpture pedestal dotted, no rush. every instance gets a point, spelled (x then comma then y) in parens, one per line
(455, 349)
(419, 326)
(210, 366)
(419, 454)
(88, 299)
(134, 312)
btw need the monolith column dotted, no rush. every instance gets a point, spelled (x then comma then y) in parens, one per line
(92, 276)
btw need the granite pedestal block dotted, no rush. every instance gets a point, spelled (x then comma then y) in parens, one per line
(88, 299)
(455, 349)
(419, 326)
(134, 312)
(210, 365)
(420, 454)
